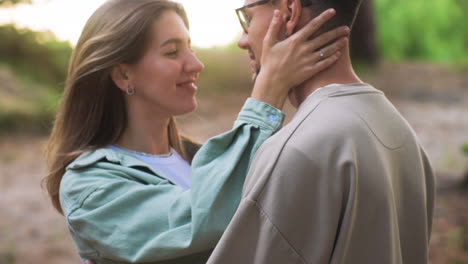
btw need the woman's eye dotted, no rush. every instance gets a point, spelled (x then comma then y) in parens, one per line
(172, 53)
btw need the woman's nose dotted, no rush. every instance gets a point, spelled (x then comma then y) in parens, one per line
(194, 64)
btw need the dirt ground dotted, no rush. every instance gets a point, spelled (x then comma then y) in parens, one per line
(434, 100)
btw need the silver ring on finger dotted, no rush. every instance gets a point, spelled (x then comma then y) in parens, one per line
(321, 54)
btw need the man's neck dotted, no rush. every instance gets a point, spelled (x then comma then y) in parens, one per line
(341, 72)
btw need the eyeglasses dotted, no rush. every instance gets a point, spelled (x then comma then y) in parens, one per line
(244, 19)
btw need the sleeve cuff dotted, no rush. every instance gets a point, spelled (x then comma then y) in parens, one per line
(261, 114)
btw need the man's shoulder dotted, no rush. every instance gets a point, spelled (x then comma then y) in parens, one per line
(328, 124)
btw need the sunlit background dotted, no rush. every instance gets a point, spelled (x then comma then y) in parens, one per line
(415, 51)
(213, 22)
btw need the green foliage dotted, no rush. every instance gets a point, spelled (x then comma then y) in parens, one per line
(226, 70)
(14, 2)
(36, 122)
(35, 56)
(33, 67)
(25, 108)
(423, 30)
(465, 149)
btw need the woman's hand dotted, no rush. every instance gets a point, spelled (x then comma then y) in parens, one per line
(290, 62)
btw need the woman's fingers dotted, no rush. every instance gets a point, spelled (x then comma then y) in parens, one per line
(314, 62)
(316, 67)
(271, 36)
(289, 62)
(327, 37)
(312, 27)
(330, 49)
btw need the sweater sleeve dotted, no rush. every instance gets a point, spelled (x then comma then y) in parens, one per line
(120, 220)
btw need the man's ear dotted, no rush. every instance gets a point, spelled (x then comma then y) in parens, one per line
(292, 15)
(119, 76)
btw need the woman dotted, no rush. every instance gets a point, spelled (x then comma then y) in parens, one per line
(131, 72)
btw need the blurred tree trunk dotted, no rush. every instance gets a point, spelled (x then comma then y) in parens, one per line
(464, 183)
(363, 42)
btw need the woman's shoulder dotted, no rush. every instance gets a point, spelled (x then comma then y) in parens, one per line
(99, 169)
(83, 176)
(92, 157)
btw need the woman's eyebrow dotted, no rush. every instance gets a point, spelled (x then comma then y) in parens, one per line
(174, 40)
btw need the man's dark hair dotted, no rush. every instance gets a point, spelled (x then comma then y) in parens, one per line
(346, 11)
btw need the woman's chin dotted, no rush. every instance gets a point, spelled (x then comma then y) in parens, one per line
(188, 108)
(194, 106)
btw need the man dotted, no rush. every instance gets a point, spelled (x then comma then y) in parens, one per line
(346, 181)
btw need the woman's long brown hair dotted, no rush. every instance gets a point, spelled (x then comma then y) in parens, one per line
(92, 112)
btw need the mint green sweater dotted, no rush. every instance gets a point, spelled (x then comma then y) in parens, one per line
(119, 210)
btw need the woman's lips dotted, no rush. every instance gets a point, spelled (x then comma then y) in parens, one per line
(188, 85)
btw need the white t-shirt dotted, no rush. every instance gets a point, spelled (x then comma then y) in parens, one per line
(173, 167)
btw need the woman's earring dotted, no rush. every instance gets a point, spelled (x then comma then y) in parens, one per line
(130, 90)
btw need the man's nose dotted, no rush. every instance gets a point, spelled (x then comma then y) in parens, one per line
(243, 41)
